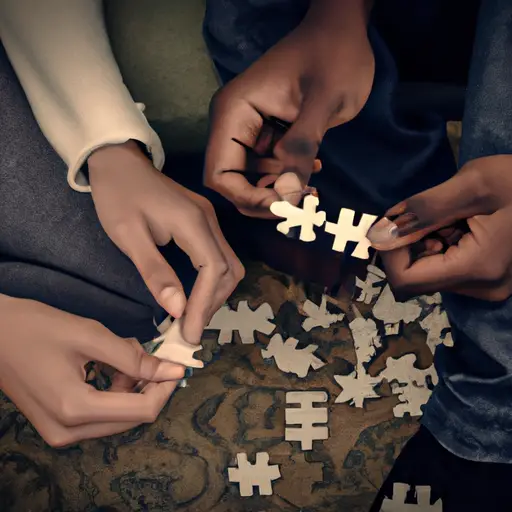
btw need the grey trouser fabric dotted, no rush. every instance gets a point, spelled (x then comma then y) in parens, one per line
(52, 247)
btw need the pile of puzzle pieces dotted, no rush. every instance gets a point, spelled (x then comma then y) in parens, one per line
(304, 422)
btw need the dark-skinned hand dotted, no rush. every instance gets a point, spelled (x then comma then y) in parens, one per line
(315, 78)
(478, 262)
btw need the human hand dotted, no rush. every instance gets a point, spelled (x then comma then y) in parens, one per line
(43, 352)
(315, 78)
(477, 263)
(140, 209)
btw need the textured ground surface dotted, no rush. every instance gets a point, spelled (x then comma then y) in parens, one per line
(236, 404)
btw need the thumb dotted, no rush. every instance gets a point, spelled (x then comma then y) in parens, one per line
(298, 148)
(458, 198)
(160, 278)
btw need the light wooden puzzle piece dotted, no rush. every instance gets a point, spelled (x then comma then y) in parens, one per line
(412, 399)
(290, 359)
(356, 388)
(402, 370)
(369, 287)
(397, 503)
(392, 313)
(434, 324)
(306, 217)
(244, 320)
(174, 348)
(248, 475)
(365, 335)
(307, 416)
(344, 231)
(318, 316)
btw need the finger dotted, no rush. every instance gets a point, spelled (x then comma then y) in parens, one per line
(101, 406)
(100, 344)
(432, 274)
(274, 166)
(161, 280)
(298, 148)
(457, 199)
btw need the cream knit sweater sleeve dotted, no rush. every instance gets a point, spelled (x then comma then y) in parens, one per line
(61, 54)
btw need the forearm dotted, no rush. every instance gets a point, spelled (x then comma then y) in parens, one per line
(62, 57)
(341, 17)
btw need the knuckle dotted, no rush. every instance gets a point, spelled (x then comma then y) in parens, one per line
(68, 412)
(58, 440)
(238, 271)
(491, 270)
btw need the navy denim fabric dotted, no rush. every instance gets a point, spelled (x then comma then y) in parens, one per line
(470, 411)
(387, 156)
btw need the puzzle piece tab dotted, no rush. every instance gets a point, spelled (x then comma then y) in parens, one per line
(370, 286)
(248, 475)
(306, 217)
(290, 359)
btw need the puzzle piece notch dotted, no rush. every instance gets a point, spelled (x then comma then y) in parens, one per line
(397, 503)
(318, 316)
(369, 290)
(290, 359)
(244, 320)
(260, 474)
(412, 398)
(344, 231)
(306, 217)
(307, 416)
(392, 313)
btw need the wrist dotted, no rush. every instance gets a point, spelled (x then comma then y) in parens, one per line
(340, 19)
(114, 154)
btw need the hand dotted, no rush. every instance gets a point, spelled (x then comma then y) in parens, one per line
(478, 263)
(43, 352)
(140, 209)
(315, 78)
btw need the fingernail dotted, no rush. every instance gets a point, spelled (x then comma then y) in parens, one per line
(317, 165)
(173, 300)
(383, 232)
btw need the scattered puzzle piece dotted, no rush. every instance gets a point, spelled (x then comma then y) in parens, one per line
(248, 475)
(244, 320)
(412, 399)
(392, 312)
(365, 335)
(318, 316)
(344, 231)
(402, 370)
(369, 287)
(356, 388)
(175, 349)
(307, 416)
(306, 217)
(434, 324)
(397, 503)
(290, 359)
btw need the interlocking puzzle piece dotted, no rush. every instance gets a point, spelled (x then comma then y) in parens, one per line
(318, 316)
(412, 399)
(365, 335)
(307, 416)
(290, 359)
(174, 348)
(434, 324)
(244, 320)
(356, 387)
(402, 370)
(392, 312)
(260, 474)
(433, 299)
(369, 287)
(306, 217)
(397, 503)
(344, 231)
